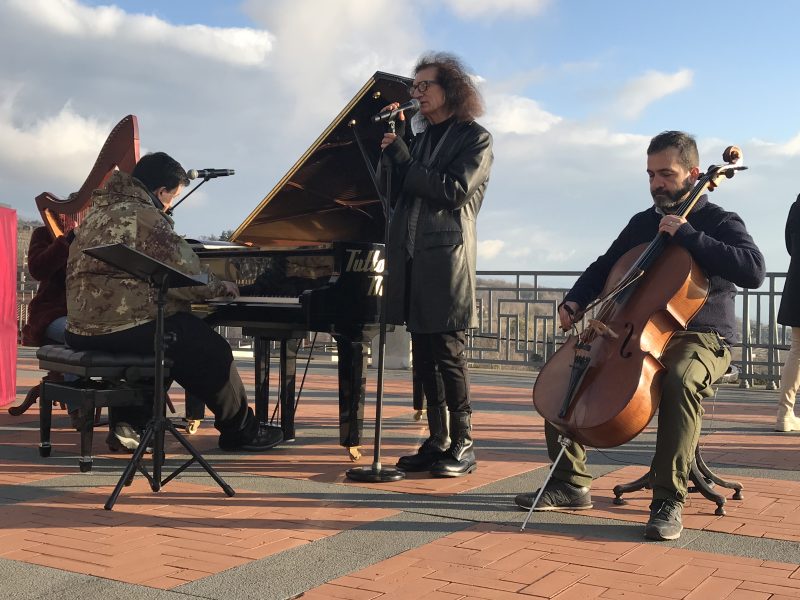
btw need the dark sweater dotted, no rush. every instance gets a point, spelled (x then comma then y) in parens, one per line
(47, 263)
(718, 242)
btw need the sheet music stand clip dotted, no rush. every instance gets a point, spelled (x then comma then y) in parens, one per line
(160, 277)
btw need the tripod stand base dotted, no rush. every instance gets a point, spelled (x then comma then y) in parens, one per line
(155, 431)
(375, 474)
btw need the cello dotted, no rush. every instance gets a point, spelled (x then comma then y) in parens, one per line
(603, 386)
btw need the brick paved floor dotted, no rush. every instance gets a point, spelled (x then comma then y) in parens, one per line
(298, 525)
(501, 563)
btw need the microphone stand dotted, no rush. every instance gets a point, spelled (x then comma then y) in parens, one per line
(193, 190)
(377, 473)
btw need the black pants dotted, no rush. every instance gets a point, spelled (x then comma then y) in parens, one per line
(445, 352)
(202, 363)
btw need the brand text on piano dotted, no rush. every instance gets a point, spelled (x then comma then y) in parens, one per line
(367, 261)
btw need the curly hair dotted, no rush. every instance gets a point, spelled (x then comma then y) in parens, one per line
(460, 92)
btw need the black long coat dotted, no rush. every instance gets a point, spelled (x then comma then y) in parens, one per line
(789, 311)
(451, 189)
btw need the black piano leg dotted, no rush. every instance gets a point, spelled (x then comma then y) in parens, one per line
(261, 358)
(288, 370)
(352, 391)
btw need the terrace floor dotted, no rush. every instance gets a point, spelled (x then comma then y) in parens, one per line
(297, 526)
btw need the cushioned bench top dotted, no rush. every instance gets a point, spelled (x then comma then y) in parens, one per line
(93, 358)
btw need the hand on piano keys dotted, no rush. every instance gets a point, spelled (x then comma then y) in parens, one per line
(231, 289)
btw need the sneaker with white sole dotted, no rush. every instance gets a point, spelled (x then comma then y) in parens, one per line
(126, 435)
(665, 520)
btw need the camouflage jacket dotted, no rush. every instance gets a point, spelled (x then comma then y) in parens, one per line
(102, 299)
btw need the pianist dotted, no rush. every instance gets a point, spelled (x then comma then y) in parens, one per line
(108, 309)
(438, 183)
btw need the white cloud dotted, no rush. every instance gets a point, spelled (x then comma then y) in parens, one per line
(479, 9)
(788, 148)
(69, 18)
(488, 249)
(516, 114)
(324, 51)
(639, 93)
(66, 142)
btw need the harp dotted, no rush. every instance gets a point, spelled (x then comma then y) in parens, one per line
(120, 151)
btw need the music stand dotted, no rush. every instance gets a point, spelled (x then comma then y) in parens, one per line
(160, 277)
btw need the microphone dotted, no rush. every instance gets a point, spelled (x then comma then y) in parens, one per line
(412, 104)
(208, 173)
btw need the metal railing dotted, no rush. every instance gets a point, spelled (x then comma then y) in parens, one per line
(518, 327)
(518, 323)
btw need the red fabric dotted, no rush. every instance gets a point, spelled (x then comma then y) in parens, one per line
(8, 306)
(47, 263)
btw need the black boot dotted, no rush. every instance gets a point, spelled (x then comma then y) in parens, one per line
(459, 458)
(433, 448)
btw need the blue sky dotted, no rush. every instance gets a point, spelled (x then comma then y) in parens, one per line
(574, 90)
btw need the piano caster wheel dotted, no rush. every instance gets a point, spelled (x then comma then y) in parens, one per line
(354, 453)
(738, 495)
(44, 450)
(619, 501)
(418, 414)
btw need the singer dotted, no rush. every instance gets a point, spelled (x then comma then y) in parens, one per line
(438, 182)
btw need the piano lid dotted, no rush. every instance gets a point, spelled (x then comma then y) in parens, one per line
(328, 195)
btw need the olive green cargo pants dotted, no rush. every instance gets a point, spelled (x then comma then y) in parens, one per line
(694, 361)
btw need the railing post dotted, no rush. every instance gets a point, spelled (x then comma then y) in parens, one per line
(772, 340)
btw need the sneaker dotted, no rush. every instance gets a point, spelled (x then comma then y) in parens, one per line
(665, 520)
(126, 435)
(114, 445)
(557, 495)
(268, 436)
(787, 423)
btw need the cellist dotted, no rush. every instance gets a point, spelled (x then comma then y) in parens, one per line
(719, 243)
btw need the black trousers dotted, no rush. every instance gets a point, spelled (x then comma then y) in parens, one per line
(202, 363)
(443, 352)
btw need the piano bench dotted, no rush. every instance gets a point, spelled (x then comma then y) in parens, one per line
(103, 379)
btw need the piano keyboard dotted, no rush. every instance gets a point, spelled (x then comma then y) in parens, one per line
(257, 300)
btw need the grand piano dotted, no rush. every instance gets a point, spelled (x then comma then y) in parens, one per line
(310, 258)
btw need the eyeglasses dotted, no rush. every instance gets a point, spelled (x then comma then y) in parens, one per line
(421, 86)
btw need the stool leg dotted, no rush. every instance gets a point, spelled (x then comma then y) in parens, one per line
(708, 474)
(642, 483)
(705, 488)
(30, 399)
(45, 421)
(87, 434)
